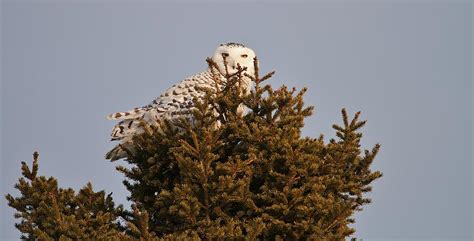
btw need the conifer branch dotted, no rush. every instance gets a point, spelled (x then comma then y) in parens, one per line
(267, 76)
(224, 59)
(345, 118)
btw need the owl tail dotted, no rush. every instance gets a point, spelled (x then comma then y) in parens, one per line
(131, 114)
(119, 152)
(124, 128)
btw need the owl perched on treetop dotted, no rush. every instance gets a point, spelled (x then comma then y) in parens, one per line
(177, 101)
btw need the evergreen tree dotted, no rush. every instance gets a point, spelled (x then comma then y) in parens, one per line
(51, 213)
(222, 175)
(48, 212)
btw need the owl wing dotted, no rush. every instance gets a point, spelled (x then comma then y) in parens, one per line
(175, 102)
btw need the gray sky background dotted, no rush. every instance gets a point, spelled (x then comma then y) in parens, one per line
(405, 64)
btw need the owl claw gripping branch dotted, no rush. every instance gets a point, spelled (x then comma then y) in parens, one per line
(229, 59)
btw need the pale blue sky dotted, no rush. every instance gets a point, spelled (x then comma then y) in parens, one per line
(405, 64)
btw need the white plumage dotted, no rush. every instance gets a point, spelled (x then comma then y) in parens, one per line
(177, 101)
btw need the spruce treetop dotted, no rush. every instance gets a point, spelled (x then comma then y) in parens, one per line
(224, 174)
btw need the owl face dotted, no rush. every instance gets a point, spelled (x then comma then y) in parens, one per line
(234, 54)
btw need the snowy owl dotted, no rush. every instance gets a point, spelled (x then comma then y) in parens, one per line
(177, 101)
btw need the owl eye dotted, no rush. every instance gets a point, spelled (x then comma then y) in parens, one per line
(225, 54)
(244, 56)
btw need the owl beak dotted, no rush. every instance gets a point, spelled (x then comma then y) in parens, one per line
(234, 65)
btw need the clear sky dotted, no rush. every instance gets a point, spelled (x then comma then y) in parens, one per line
(405, 64)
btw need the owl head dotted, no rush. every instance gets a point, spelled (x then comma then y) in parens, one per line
(234, 53)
